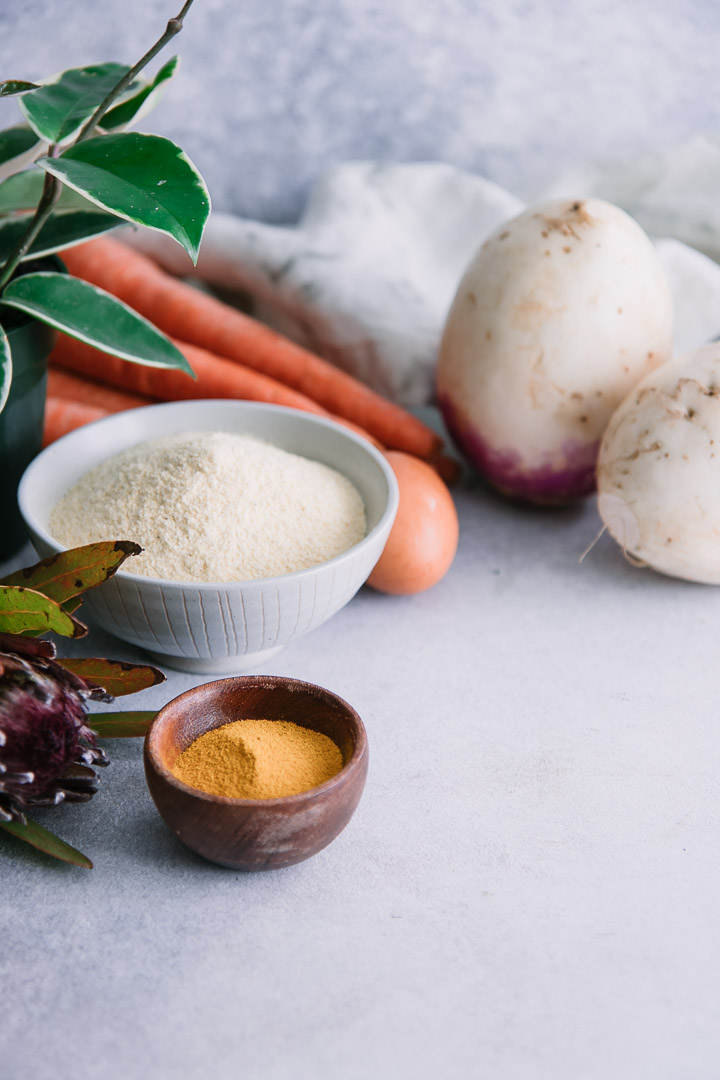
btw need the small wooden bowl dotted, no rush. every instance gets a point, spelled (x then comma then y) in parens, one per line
(255, 834)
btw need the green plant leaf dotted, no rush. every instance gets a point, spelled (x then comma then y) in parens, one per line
(58, 109)
(121, 725)
(92, 315)
(114, 676)
(145, 179)
(142, 100)
(5, 368)
(16, 86)
(22, 191)
(15, 142)
(23, 610)
(45, 841)
(72, 572)
(63, 229)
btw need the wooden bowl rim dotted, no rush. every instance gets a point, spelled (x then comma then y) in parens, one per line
(340, 778)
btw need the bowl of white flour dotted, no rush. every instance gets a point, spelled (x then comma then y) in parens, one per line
(257, 524)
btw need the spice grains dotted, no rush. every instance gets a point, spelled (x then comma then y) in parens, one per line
(258, 759)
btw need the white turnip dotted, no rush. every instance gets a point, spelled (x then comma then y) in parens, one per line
(563, 310)
(659, 469)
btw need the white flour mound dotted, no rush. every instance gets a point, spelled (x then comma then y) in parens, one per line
(213, 506)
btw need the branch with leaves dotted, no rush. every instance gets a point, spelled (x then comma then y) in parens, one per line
(48, 741)
(89, 174)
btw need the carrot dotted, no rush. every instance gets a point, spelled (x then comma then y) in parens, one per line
(63, 415)
(216, 377)
(62, 384)
(71, 356)
(201, 320)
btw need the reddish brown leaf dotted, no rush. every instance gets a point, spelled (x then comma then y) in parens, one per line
(27, 646)
(71, 572)
(114, 676)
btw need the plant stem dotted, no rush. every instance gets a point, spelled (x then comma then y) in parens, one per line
(50, 195)
(52, 186)
(173, 27)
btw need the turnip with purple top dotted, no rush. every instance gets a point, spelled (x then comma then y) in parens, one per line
(562, 311)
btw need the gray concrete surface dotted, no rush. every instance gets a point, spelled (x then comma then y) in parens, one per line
(528, 890)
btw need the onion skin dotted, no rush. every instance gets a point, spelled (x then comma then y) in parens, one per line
(424, 538)
(659, 469)
(563, 310)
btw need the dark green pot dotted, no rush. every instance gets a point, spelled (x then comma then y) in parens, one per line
(21, 422)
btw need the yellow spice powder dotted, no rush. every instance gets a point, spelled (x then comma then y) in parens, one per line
(258, 759)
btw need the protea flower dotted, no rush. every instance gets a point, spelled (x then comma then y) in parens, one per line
(47, 751)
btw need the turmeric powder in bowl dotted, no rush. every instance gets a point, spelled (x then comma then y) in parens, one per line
(258, 759)
(256, 833)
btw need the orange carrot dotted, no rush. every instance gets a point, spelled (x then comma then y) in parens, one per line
(201, 320)
(216, 377)
(62, 384)
(63, 415)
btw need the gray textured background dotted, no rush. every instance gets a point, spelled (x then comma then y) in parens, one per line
(272, 93)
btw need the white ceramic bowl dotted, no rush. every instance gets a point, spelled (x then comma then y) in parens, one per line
(230, 626)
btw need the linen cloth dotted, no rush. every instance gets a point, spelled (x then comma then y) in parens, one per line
(368, 274)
